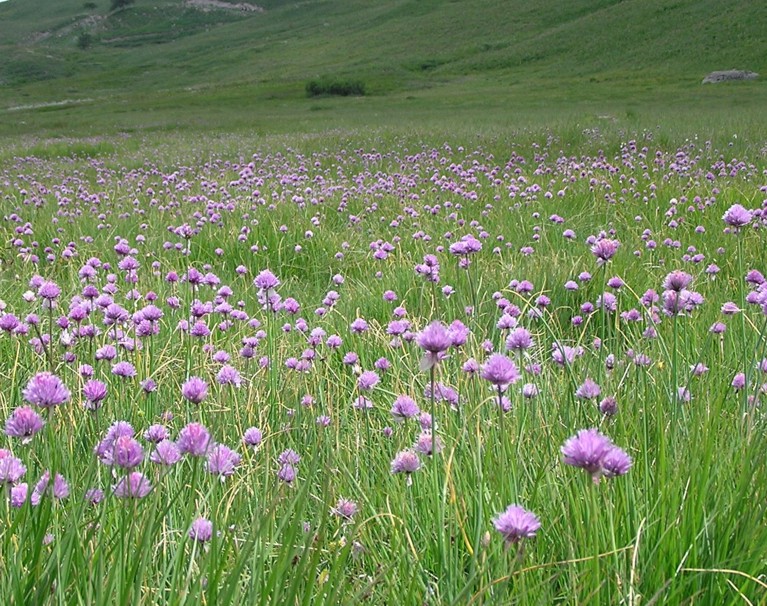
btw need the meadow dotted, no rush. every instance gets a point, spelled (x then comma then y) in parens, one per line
(384, 368)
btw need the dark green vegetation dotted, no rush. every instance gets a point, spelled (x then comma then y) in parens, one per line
(170, 65)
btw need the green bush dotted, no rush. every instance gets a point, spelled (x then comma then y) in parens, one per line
(335, 87)
(84, 40)
(121, 4)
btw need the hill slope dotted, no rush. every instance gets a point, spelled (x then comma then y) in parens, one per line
(62, 49)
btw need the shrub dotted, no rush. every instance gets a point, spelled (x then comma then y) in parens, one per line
(84, 40)
(336, 87)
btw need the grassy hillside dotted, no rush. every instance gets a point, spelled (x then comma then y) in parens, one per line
(168, 55)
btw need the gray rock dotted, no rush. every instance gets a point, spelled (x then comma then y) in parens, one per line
(730, 74)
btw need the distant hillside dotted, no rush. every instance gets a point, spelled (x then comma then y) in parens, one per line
(80, 49)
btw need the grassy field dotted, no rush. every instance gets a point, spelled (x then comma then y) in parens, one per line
(262, 348)
(166, 66)
(181, 228)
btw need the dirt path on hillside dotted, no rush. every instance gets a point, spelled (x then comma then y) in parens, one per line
(221, 5)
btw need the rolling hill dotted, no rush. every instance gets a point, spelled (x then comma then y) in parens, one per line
(186, 56)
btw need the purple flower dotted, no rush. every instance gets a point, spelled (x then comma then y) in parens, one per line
(459, 333)
(194, 440)
(435, 339)
(132, 486)
(19, 495)
(345, 509)
(608, 406)
(49, 291)
(500, 371)
(588, 390)
(94, 391)
(519, 339)
(222, 460)
(23, 423)
(266, 280)
(105, 449)
(252, 437)
(45, 390)
(287, 473)
(586, 450)
(165, 453)
(529, 390)
(470, 367)
(516, 523)
(564, 354)
(127, 452)
(594, 452)
(195, 390)
(737, 216)
(604, 250)
(367, 380)
(11, 468)
(94, 496)
(156, 433)
(201, 530)
(228, 375)
(739, 381)
(148, 385)
(428, 444)
(405, 461)
(125, 370)
(288, 457)
(361, 403)
(9, 323)
(616, 462)
(404, 407)
(59, 489)
(677, 281)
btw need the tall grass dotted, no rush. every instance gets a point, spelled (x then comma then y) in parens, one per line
(684, 525)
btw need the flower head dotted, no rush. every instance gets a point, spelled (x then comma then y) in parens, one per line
(345, 509)
(46, 390)
(588, 390)
(11, 468)
(404, 407)
(266, 280)
(737, 216)
(435, 338)
(195, 390)
(367, 380)
(519, 339)
(604, 250)
(201, 530)
(127, 452)
(194, 440)
(94, 391)
(616, 462)
(165, 453)
(133, 486)
(406, 461)
(586, 450)
(500, 371)
(594, 452)
(23, 423)
(59, 489)
(677, 281)
(516, 523)
(222, 460)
